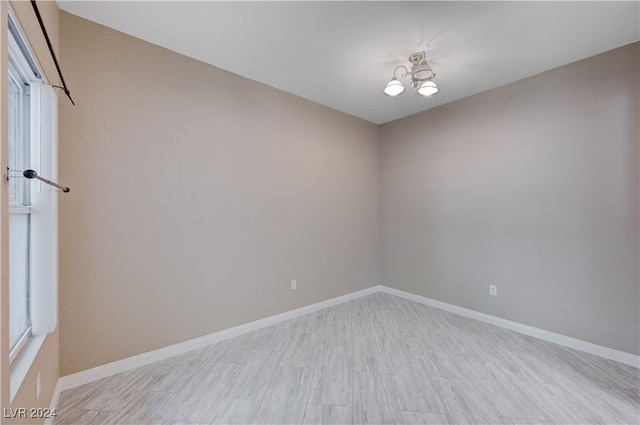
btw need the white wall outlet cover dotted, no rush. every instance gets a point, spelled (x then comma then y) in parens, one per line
(38, 382)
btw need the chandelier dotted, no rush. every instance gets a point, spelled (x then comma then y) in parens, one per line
(421, 77)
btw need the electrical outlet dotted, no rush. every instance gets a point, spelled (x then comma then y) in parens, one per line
(37, 386)
(493, 290)
(294, 284)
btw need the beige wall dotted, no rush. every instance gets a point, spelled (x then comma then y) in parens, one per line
(46, 362)
(532, 187)
(197, 196)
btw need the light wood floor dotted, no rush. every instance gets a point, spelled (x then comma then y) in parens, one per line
(376, 360)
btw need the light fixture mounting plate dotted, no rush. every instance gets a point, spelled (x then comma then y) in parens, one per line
(416, 57)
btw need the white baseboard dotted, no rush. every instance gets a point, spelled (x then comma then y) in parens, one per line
(90, 375)
(566, 341)
(53, 404)
(109, 369)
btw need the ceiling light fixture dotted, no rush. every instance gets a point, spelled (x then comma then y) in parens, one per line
(421, 77)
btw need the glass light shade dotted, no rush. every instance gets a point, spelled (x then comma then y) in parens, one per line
(428, 88)
(422, 71)
(393, 88)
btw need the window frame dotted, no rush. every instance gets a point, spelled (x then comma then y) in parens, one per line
(19, 70)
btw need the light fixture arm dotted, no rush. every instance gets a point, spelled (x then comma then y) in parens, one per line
(406, 71)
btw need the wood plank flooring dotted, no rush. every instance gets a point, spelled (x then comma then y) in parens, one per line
(376, 360)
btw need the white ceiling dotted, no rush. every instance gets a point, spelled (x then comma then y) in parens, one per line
(341, 54)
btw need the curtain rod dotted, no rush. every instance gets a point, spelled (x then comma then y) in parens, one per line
(53, 55)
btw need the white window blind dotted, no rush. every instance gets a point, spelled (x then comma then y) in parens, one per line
(44, 211)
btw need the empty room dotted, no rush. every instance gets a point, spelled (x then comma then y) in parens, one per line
(322, 212)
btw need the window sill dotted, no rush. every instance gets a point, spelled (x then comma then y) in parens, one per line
(22, 364)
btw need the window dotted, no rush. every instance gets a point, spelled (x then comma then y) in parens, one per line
(33, 255)
(20, 78)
